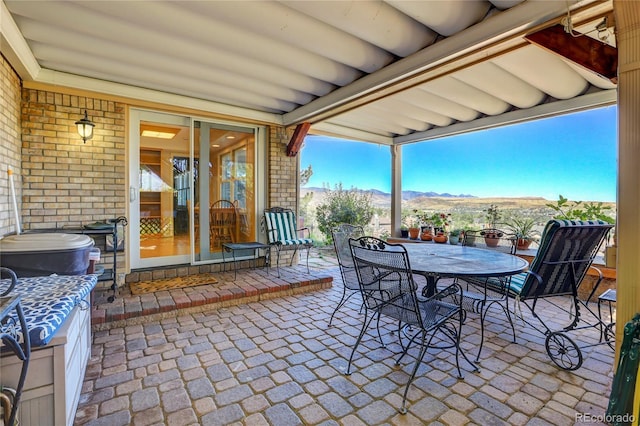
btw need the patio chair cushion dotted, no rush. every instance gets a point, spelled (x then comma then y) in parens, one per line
(48, 301)
(514, 284)
(562, 242)
(281, 229)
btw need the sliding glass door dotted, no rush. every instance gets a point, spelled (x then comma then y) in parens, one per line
(193, 186)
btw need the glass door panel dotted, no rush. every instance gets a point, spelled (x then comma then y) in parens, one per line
(160, 190)
(225, 181)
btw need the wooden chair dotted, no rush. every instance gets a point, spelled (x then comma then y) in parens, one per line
(223, 221)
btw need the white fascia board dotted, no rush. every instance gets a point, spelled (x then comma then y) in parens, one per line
(579, 103)
(132, 92)
(413, 69)
(15, 48)
(328, 129)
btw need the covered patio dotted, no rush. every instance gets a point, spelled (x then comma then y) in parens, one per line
(276, 361)
(277, 71)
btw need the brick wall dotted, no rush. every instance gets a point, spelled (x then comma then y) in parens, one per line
(66, 181)
(10, 144)
(62, 181)
(282, 175)
(282, 172)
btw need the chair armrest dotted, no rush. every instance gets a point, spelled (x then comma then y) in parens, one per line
(303, 231)
(451, 293)
(595, 287)
(538, 284)
(14, 280)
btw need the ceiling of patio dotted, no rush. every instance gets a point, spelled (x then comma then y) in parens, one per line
(387, 72)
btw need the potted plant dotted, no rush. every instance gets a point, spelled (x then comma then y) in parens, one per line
(491, 234)
(424, 222)
(523, 230)
(454, 236)
(426, 235)
(404, 231)
(412, 229)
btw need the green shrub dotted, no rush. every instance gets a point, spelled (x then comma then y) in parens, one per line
(574, 211)
(344, 206)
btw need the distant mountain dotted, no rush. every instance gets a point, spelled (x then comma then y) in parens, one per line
(468, 206)
(406, 195)
(410, 195)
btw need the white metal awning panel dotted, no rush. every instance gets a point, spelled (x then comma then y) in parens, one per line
(381, 70)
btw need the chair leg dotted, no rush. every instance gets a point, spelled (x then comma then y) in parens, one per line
(365, 326)
(293, 256)
(308, 250)
(278, 259)
(423, 351)
(343, 300)
(379, 334)
(456, 341)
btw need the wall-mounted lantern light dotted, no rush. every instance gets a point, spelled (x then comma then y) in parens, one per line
(85, 127)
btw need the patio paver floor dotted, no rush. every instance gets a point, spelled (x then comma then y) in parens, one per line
(277, 362)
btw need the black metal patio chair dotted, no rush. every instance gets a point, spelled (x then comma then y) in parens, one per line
(341, 235)
(481, 293)
(566, 253)
(388, 288)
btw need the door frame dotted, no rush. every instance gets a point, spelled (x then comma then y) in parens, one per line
(136, 115)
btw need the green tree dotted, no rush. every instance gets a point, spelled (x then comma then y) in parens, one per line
(343, 206)
(305, 175)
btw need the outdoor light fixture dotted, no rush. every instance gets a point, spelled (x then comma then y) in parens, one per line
(85, 127)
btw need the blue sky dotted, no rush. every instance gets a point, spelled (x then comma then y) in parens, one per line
(574, 155)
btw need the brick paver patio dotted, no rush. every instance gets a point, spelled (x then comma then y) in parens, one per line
(277, 362)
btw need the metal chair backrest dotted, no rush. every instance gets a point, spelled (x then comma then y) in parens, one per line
(567, 250)
(492, 239)
(385, 279)
(340, 235)
(280, 225)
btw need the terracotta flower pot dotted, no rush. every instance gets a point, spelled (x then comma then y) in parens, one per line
(414, 233)
(491, 240)
(426, 236)
(523, 244)
(440, 238)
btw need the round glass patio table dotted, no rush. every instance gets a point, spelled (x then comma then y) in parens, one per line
(435, 261)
